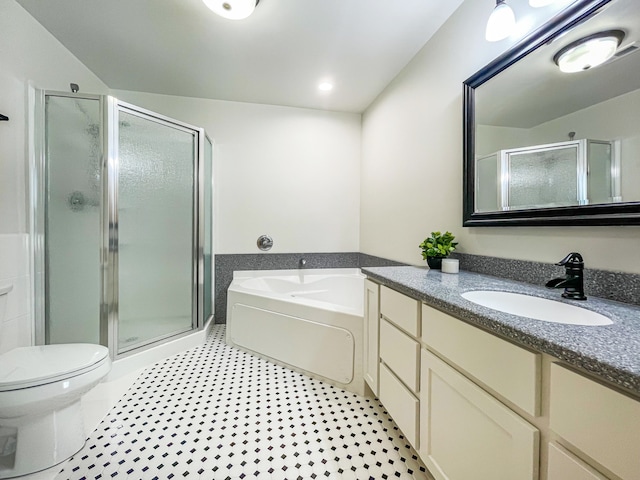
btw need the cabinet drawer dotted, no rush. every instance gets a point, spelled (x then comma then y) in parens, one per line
(400, 403)
(468, 434)
(509, 370)
(563, 466)
(401, 353)
(400, 309)
(597, 420)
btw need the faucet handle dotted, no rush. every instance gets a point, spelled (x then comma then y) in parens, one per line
(574, 259)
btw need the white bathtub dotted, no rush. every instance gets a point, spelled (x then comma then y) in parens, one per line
(308, 320)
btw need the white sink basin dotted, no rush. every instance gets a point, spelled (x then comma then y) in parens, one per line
(536, 308)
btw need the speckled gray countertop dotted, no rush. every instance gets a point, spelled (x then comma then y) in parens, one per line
(611, 352)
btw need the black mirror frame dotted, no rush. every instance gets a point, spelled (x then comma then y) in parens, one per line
(603, 214)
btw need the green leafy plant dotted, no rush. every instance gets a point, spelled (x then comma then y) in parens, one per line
(438, 245)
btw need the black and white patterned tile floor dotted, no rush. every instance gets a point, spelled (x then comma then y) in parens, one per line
(215, 412)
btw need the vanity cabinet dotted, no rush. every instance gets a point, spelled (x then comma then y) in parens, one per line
(465, 373)
(447, 415)
(596, 420)
(371, 334)
(466, 433)
(477, 406)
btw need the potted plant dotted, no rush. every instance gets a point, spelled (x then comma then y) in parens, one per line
(436, 247)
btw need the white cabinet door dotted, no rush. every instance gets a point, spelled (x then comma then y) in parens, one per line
(599, 421)
(465, 433)
(371, 333)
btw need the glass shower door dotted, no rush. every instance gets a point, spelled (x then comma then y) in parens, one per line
(72, 192)
(155, 217)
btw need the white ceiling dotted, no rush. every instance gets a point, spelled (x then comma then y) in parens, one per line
(276, 56)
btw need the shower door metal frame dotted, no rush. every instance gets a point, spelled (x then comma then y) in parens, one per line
(110, 226)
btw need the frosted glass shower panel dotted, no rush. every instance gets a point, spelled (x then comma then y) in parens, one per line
(73, 146)
(543, 177)
(602, 173)
(155, 230)
(487, 183)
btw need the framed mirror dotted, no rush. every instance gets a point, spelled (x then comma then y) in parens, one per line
(552, 127)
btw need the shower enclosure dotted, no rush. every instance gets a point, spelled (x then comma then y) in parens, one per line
(122, 209)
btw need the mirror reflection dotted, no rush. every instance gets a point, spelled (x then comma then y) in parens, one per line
(561, 127)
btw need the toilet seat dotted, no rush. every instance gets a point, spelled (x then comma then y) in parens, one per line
(27, 367)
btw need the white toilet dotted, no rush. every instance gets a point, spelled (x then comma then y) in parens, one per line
(40, 413)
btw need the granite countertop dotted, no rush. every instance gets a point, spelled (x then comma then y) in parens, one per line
(611, 352)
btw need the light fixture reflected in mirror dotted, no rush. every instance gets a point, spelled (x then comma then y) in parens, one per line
(501, 22)
(589, 51)
(232, 9)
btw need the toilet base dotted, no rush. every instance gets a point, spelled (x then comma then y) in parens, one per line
(40, 441)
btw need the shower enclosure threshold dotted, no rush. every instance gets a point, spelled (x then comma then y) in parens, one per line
(145, 358)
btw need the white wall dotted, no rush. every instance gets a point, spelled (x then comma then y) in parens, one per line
(412, 161)
(490, 139)
(15, 330)
(28, 55)
(291, 173)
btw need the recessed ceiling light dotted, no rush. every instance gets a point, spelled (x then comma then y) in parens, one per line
(232, 9)
(588, 52)
(326, 86)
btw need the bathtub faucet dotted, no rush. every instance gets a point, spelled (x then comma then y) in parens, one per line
(302, 263)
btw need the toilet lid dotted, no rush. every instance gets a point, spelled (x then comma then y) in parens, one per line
(31, 366)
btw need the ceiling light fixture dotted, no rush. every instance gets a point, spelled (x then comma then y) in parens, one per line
(540, 3)
(588, 52)
(501, 22)
(232, 9)
(326, 86)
